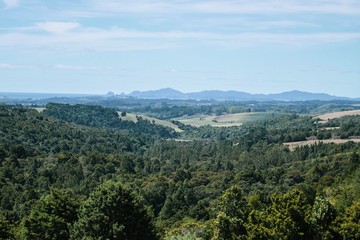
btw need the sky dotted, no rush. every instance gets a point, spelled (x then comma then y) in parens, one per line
(255, 46)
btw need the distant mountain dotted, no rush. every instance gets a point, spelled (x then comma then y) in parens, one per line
(304, 96)
(220, 95)
(169, 93)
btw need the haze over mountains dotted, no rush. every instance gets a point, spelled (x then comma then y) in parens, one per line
(169, 93)
(172, 94)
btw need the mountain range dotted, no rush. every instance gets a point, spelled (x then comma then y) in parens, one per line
(172, 94)
(169, 93)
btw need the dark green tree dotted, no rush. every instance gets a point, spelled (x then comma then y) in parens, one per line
(5, 228)
(229, 224)
(285, 218)
(112, 212)
(348, 226)
(322, 215)
(51, 217)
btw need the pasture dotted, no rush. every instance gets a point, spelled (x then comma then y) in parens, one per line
(325, 117)
(39, 109)
(293, 145)
(226, 120)
(132, 117)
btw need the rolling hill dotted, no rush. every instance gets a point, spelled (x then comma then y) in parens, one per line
(169, 93)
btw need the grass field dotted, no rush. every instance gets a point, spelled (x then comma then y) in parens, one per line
(293, 145)
(329, 116)
(39, 109)
(132, 117)
(226, 120)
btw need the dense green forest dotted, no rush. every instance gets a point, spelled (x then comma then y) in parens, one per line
(79, 172)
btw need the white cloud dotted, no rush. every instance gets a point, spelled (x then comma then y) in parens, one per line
(8, 66)
(57, 27)
(230, 6)
(118, 39)
(11, 3)
(79, 68)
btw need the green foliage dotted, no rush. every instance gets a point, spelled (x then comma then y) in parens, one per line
(97, 116)
(322, 215)
(189, 230)
(285, 218)
(195, 179)
(348, 226)
(232, 215)
(5, 228)
(112, 212)
(52, 216)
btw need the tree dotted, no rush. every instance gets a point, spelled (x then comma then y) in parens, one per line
(5, 228)
(322, 215)
(285, 218)
(289, 213)
(112, 212)
(231, 218)
(190, 229)
(52, 216)
(348, 226)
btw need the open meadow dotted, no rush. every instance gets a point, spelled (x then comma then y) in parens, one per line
(226, 120)
(294, 145)
(328, 116)
(133, 117)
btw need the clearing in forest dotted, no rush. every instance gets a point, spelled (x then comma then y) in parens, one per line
(329, 116)
(293, 145)
(39, 109)
(226, 120)
(133, 117)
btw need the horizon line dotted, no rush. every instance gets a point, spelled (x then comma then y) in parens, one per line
(123, 93)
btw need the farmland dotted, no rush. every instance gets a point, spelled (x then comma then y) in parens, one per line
(293, 145)
(325, 117)
(133, 117)
(39, 109)
(226, 120)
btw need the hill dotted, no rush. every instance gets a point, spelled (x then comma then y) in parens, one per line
(168, 93)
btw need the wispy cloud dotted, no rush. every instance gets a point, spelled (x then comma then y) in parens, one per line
(57, 27)
(239, 23)
(79, 68)
(9, 66)
(11, 3)
(230, 6)
(187, 23)
(125, 39)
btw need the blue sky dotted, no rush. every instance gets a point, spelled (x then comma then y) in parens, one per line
(257, 46)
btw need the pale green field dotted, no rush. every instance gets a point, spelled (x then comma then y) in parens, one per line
(227, 120)
(132, 117)
(293, 145)
(39, 109)
(328, 116)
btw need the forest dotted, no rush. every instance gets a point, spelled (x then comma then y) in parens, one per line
(76, 171)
